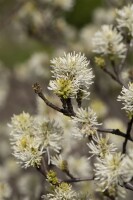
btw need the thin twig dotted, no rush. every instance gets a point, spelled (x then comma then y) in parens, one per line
(128, 186)
(115, 132)
(43, 168)
(113, 76)
(127, 136)
(114, 68)
(74, 180)
(69, 174)
(122, 64)
(38, 90)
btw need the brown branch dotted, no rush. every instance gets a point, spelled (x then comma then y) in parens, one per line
(38, 90)
(127, 136)
(43, 168)
(112, 76)
(70, 107)
(114, 68)
(128, 186)
(75, 180)
(68, 174)
(115, 132)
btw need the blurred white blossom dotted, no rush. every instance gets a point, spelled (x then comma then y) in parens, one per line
(5, 190)
(126, 98)
(79, 166)
(108, 41)
(63, 4)
(35, 67)
(59, 161)
(4, 84)
(68, 31)
(127, 170)
(85, 123)
(86, 35)
(100, 13)
(125, 18)
(29, 185)
(100, 107)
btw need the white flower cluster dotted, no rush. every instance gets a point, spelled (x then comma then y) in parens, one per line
(72, 75)
(108, 42)
(100, 146)
(85, 123)
(63, 191)
(112, 169)
(127, 98)
(115, 169)
(30, 139)
(125, 18)
(108, 170)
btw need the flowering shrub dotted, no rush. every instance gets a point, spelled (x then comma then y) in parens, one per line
(33, 138)
(51, 144)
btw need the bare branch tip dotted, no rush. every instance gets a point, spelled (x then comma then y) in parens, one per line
(37, 88)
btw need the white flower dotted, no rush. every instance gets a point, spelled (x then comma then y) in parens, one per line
(62, 192)
(49, 135)
(64, 87)
(85, 123)
(125, 18)
(28, 151)
(22, 123)
(108, 41)
(60, 162)
(108, 170)
(127, 98)
(99, 146)
(116, 192)
(127, 166)
(32, 137)
(74, 67)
